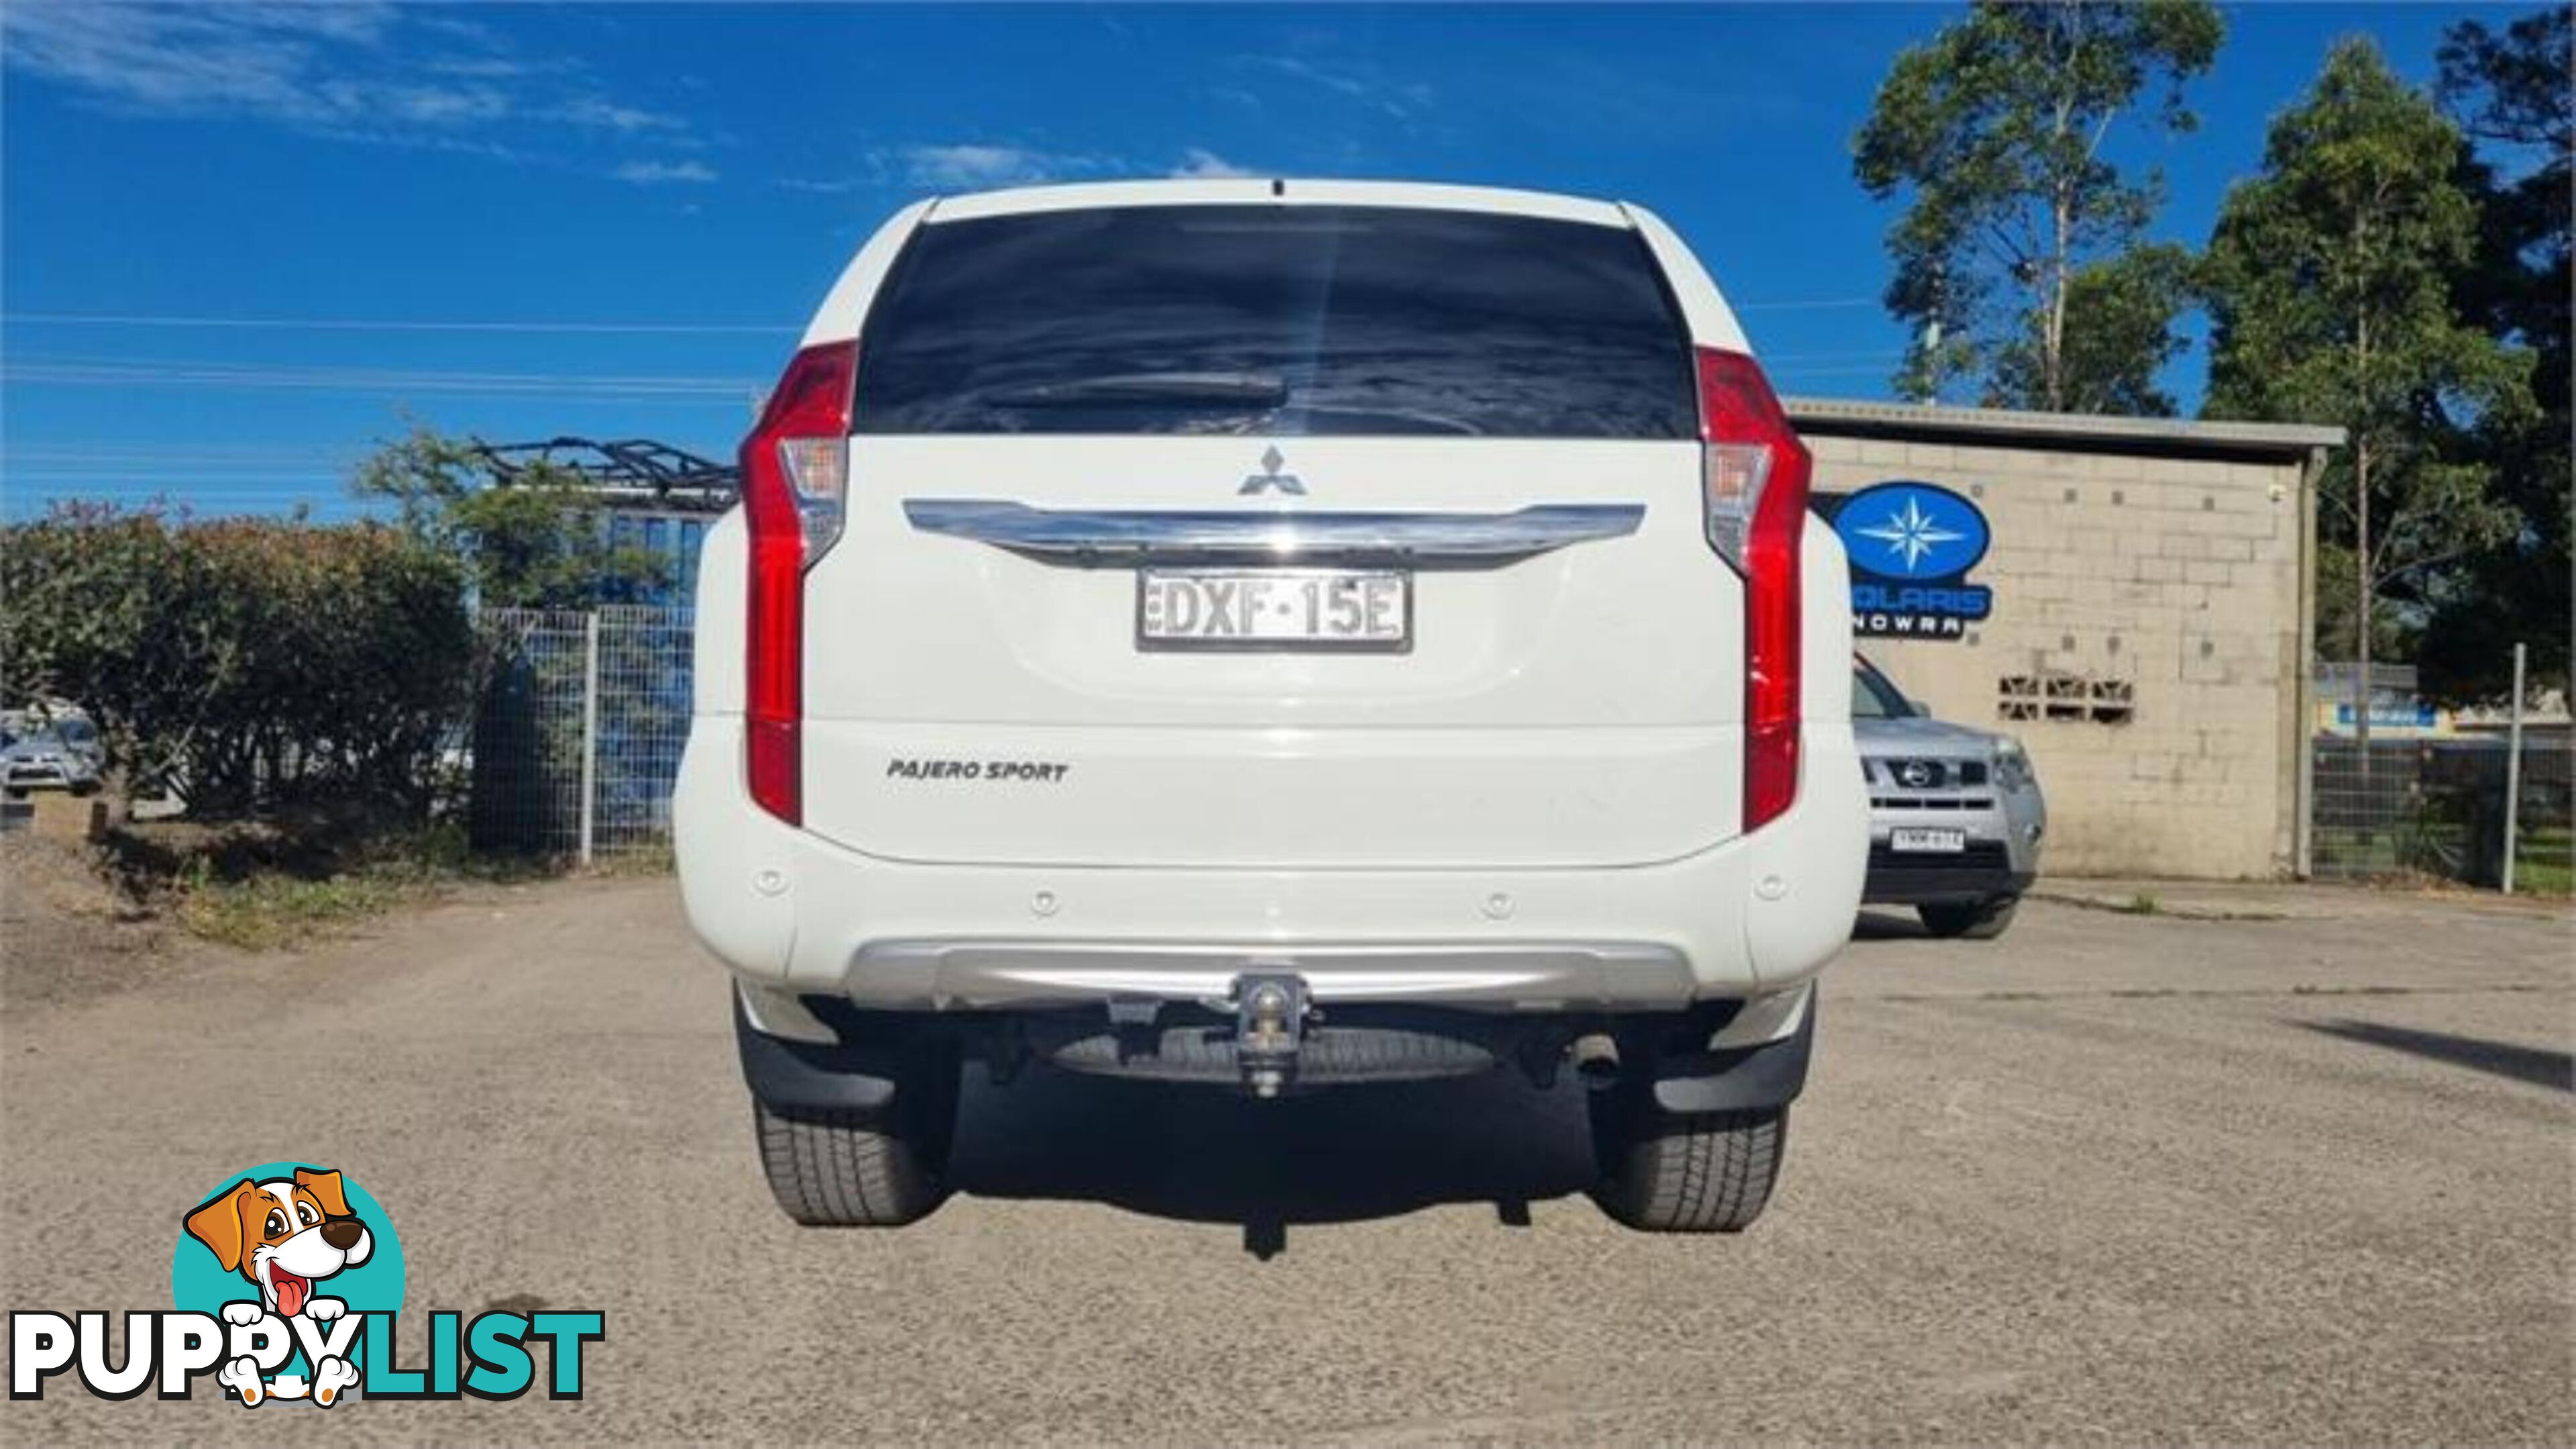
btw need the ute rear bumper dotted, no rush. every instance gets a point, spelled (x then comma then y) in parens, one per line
(834, 1058)
(794, 914)
(1033, 971)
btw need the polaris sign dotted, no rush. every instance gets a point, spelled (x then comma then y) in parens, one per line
(1911, 546)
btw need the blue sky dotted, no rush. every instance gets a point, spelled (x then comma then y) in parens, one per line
(483, 200)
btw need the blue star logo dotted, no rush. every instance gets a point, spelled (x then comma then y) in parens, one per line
(1912, 531)
(1911, 534)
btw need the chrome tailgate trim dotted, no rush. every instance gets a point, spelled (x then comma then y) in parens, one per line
(1095, 538)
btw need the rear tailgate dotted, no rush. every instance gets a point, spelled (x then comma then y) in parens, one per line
(1577, 706)
(1032, 388)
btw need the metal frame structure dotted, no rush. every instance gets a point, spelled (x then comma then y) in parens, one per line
(624, 469)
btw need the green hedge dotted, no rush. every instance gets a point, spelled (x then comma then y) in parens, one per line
(244, 663)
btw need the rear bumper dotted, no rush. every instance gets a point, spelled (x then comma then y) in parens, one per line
(1003, 974)
(788, 911)
(1718, 1058)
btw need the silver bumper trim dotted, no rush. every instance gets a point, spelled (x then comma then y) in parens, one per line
(1087, 538)
(1529, 976)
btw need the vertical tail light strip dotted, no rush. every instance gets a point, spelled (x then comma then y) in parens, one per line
(795, 476)
(1755, 478)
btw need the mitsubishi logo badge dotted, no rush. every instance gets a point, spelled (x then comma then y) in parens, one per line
(1272, 460)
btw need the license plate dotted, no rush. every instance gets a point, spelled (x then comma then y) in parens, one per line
(1329, 609)
(1944, 842)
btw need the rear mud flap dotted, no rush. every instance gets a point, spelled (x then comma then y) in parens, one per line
(812, 1076)
(1750, 1079)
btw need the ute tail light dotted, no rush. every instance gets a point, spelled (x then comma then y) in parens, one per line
(795, 494)
(1754, 482)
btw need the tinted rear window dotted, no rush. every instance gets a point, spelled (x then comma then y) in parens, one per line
(1275, 319)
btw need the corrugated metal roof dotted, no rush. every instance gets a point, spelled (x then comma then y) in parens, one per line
(1828, 416)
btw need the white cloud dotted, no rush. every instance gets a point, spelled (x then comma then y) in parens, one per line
(487, 67)
(610, 116)
(360, 71)
(1360, 83)
(438, 107)
(969, 166)
(1331, 80)
(649, 173)
(1199, 163)
(193, 61)
(984, 165)
(474, 30)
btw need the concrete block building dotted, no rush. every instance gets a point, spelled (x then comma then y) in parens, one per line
(2130, 596)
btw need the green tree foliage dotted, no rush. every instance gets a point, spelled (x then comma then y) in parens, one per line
(2014, 256)
(536, 541)
(2332, 281)
(2514, 94)
(2119, 335)
(247, 662)
(113, 613)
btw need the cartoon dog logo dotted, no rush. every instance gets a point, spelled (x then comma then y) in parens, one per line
(285, 1235)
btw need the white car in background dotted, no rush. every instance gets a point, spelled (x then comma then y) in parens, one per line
(50, 749)
(1273, 634)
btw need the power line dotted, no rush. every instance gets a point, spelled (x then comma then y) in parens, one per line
(1807, 304)
(109, 467)
(1794, 371)
(1872, 354)
(159, 451)
(316, 505)
(195, 364)
(533, 325)
(76, 372)
(352, 324)
(170, 468)
(217, 483)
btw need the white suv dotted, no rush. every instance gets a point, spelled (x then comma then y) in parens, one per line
(1273, 634)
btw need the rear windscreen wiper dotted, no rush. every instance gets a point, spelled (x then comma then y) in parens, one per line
(1227, 389)
(1413, 420)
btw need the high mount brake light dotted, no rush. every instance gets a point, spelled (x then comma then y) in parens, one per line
(795, 482)
(1755, 474)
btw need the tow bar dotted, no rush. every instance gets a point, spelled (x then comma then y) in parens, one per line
(1269, 1027)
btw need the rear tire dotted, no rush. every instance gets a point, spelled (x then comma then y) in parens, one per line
(864, 1169)
(1670, 1172)
(1969, 920)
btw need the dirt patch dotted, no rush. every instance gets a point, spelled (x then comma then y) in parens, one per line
(149, 857)
(157, 898)
(67, 932)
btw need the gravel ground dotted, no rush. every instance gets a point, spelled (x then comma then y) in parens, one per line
(2114, 1178)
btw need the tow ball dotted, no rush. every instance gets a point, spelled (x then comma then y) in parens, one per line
(1269, 1028)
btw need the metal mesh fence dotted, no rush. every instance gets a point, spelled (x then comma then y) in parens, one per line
(575, 743)
(2437, 807)
(524, 745)
(575, 748)
(643, 720)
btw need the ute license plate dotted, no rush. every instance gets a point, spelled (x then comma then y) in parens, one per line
(1323, 609)
(1938, 842)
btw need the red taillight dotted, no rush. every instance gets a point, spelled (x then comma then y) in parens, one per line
(794, 476)
(1754, 487)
